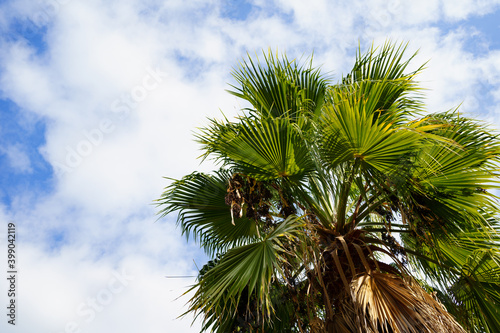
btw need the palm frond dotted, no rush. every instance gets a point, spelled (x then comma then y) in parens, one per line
(199, 200)
(387, 303)
(280, 87)
(264, 149)
(350, 131)
(246, 269)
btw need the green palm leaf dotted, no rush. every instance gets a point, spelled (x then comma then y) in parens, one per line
(280, 87)
(203, 213)
(350, 131)
(384, 71)
(477, 290)
(250, 269)
(264, 149)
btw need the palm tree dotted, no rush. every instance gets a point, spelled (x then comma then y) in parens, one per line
(343, 207)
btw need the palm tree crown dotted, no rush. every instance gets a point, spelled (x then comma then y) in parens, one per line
(343, 207)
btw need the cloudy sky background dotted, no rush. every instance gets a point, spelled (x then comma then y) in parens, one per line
(99, 101)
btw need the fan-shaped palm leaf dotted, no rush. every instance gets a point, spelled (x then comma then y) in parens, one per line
(200, 200)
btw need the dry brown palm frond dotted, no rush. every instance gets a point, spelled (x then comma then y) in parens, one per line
(382, 302)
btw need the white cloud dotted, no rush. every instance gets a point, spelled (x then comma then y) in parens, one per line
(461, 9)
(18, 159)
(70, 291)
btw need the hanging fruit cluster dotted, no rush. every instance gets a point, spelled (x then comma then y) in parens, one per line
(248, 197)
(394, 246)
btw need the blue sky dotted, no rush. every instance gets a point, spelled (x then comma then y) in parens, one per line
(99, 100)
